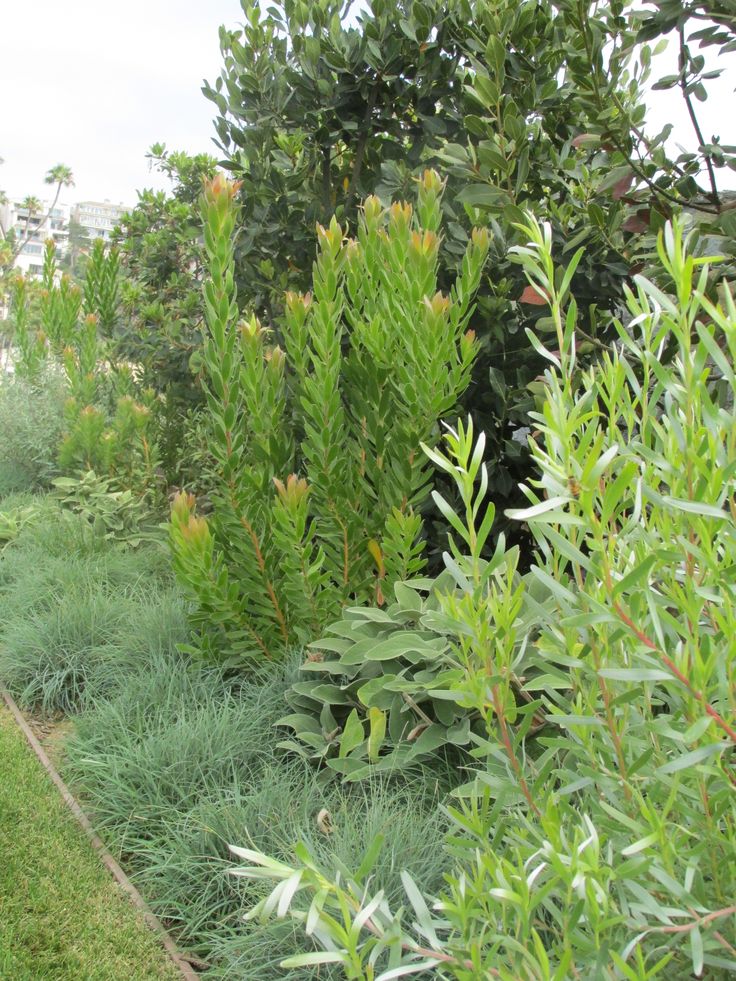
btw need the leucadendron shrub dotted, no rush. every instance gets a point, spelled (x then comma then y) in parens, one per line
(317, 446)
(597, 838)
(62, 334)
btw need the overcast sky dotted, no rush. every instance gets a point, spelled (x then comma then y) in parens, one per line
(93, 84)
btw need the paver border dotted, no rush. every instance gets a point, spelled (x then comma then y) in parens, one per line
(150, 919)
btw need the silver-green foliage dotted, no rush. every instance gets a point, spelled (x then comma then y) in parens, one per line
(366, 700)
(115, 515)
(79, 614)
(177, 762)
(599, 838)
(379, 693)
(31, 424)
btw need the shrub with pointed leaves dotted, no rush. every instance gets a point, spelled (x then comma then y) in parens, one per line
(29, 340)
(373, 357)
(102, 286)
(107, 428)
(601, 845)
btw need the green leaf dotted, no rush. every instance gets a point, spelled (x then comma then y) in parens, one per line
(696, 952)
(528, 514)
(698, 507)
(314, 958)
(424, 917)
(369, 858)
(377, 722)
(352, 734)
(634, 577)
(636, 674)
(482, 196)
(641, 844)
(692, 758)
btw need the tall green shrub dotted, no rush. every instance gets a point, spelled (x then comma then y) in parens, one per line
(318, 446)
(64, 331)
(28, 339)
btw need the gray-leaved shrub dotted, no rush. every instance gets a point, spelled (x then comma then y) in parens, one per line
(31, 424)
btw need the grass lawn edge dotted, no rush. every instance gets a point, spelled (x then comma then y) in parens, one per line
(150, 919)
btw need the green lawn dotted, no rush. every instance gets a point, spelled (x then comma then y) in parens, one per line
(62, 917)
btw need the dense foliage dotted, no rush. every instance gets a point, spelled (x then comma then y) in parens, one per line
(523, 105)
(161, 294)
(598, 836)
(67, 332)
(502, 736)
(317, 447)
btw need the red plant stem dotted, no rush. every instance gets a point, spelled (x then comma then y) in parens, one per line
(615, 737)
(669, 663)
(269, 585)
(698, 921)
(510, 752)
(724, 943)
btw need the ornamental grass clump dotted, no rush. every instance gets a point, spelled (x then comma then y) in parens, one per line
(178, 761)
(319, 471)
(597, 835)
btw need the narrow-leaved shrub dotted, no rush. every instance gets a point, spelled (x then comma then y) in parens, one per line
(31, 424)
(598, 836)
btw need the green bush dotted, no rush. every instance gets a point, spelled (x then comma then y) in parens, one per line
(317, 449)
(115, 515)
(374, 695)
(31, 423)
(523, 104)
(64, 330)
(597, 839)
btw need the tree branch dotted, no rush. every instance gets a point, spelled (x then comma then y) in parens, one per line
(362, 143)
(683, 59)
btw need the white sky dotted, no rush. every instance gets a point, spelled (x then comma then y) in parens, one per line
(92, 84)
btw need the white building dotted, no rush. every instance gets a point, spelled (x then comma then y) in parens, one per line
(98, 218)
(34, 229)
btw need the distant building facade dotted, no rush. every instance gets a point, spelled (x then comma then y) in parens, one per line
(34, 229)
(98, 218)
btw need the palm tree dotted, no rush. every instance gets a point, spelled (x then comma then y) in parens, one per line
(62, 176)
(32, 206)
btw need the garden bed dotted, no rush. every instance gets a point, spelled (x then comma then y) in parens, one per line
(171, 759)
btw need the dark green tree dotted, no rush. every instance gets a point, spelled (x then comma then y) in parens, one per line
(160, 254)
(524, 104)
(159, 244)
